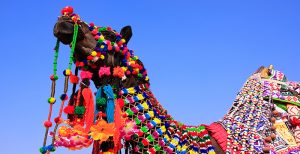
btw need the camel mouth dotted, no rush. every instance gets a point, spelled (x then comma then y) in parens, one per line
(64, 30)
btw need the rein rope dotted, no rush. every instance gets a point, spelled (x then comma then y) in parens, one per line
(58, 120)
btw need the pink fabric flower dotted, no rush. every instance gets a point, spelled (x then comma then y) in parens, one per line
(129, 129)
(86, 75)
(104, 71)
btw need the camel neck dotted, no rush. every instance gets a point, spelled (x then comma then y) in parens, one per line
(156, 131)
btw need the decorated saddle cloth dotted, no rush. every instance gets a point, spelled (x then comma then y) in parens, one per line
(264, 117)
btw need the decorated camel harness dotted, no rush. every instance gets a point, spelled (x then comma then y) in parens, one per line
(124, 116)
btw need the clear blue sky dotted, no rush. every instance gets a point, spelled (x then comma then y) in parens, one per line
(198, 55)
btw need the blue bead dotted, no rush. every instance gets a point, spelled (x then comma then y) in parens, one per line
(145, 95)
(203, 151)
(149, 104)
(196, 149)
(167, 124)
(159, 131)
(135, 98)
(125, 91)
(184, 142)
(140, 106)
(137, 89)
(172, 146)
(147, 116)
(153, 123)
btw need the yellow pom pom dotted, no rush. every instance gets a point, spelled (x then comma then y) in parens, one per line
(102, 46)
(123, 40)
(67, 72)
(147, 78)
(131, 62)
(51, 100)
(124, 69)
(94, 53)
(102, 38)
(211, 152)
(102, 57)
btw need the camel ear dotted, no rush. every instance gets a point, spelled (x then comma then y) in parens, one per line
(126, 33)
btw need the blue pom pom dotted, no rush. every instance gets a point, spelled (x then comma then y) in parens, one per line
(51, 148)
(85, 62)
(64, 97)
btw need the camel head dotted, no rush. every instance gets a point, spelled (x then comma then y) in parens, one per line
(98, 48)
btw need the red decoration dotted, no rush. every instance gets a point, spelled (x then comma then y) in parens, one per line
(74, 79)
(68, 10)
(58, 120)
(47, 124)
(69, 109)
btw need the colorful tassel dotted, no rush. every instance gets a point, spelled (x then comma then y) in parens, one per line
(110, 109)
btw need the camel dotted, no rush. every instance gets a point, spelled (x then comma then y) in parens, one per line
(262, 119)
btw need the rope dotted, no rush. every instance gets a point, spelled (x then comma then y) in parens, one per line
(66, 81)
(54, 78)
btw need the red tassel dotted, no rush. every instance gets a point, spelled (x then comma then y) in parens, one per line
(119, 123)
(89, 105)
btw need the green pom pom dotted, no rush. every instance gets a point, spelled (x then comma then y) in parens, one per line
(101, 101)
(42, 150)
(79, 110)
(55, 77)
(102, 29)
(135, 136)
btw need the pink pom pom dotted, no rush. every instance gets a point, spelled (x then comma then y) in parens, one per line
(86, 75)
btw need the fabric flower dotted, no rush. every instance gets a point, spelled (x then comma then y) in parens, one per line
(86, 75)
(72, 138)
(102, 130)
(118, 72)
(129, 129)
(104, 71)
